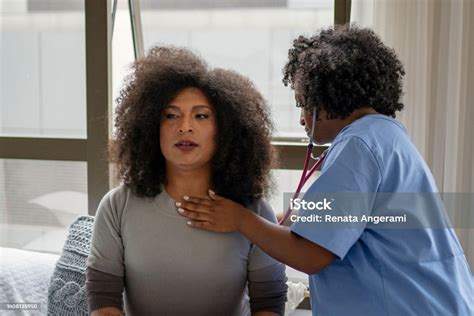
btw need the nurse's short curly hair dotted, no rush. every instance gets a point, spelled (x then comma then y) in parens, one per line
(345, 69)
(244, 156)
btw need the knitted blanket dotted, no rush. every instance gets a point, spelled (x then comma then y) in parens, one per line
(67, 293)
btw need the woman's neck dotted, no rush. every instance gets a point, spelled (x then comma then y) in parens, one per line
(194, 182)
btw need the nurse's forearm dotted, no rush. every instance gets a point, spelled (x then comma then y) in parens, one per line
(283, 245)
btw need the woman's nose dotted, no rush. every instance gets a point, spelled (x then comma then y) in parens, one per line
(186, 126)
(184, 130)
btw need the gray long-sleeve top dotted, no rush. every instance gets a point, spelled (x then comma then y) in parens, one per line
(144, 247)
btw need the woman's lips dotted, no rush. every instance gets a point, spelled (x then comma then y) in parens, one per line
(186, 145)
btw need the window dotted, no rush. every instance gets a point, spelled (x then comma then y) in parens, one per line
(43, 70)
(53, 129)
(39, 199)
(251, 37)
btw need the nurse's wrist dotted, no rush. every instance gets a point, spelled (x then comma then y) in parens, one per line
(245, 217)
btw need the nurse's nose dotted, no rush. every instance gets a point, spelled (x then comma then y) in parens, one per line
(302, 122)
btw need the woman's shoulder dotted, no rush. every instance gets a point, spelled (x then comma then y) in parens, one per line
(117, 193)
(115, 198)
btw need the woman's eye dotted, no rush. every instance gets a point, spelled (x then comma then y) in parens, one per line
(202, 116)
(170, 116)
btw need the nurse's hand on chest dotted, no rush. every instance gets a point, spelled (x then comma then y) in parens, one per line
(215, 214)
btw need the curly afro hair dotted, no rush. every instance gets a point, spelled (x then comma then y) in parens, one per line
(345, 69)
(244, 155)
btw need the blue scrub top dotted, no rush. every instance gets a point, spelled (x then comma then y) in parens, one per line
(384, 271)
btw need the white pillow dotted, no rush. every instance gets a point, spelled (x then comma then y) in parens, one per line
(24, 278)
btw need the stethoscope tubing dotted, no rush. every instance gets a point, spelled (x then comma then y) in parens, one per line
(305, 175)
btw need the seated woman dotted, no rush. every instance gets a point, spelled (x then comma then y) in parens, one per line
(181, 128)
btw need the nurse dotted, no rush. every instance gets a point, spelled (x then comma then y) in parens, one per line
(350, 83)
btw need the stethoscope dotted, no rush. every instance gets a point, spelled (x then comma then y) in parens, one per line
(306, 174)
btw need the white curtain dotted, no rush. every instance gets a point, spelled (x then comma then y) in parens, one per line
(435, 41)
